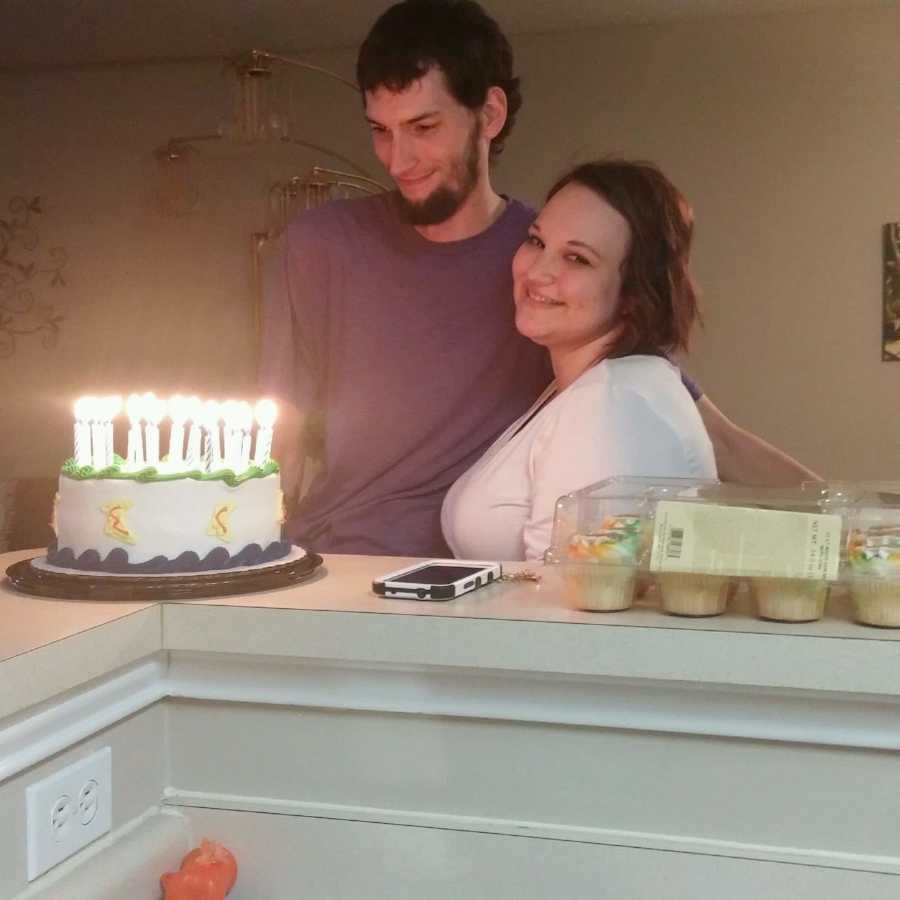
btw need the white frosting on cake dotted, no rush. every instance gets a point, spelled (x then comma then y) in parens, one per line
(167, 518)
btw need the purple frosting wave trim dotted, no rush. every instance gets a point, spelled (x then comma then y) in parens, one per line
(117, 560)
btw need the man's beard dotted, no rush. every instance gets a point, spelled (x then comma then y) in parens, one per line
(446, 199)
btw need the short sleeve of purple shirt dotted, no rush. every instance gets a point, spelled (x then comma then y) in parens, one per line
(693, 388)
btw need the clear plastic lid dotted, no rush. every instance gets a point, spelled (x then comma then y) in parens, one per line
(817, 531)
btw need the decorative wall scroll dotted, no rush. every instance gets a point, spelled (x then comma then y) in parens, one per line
(24, 275)
(890, 331)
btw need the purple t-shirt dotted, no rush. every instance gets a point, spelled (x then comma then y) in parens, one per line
(408, 348)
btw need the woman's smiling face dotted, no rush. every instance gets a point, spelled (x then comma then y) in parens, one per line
(568, 274)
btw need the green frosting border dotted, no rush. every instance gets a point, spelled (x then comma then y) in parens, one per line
(70, 469)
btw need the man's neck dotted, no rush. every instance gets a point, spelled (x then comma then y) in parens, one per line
(479, 211)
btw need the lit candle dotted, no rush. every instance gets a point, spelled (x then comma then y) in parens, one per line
(98, 433)
(135, 410)
(154, 410)
(83, 431)
(112, 407)
(212, 453)
(195, 412)
(179, 410)
(230, 418)
(245, 421)
(266, 413)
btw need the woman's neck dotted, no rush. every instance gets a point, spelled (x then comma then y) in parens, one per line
(570, 363)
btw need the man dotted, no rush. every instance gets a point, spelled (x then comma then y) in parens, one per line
(394, 317)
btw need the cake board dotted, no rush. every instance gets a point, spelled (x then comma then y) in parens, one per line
(34, 576)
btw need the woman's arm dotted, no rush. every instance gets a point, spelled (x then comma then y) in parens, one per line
(743, 457)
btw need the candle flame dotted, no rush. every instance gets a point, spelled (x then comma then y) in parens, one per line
(230, 414)
(135, 408)
(112, 406)
(195, 408)
(179, 409)
(154, 408)
(244, 416)
(84, 408)
(266, 413)
(211, 413)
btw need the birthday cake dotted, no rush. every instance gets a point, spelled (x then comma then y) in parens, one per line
(187, 512)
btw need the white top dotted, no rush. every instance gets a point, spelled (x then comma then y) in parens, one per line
(628, 416)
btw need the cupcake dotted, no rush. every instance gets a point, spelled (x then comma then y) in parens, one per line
(599, 588)
(874, 556)
(790, 599)
(877, 603)
(693, 594)
(601, 566)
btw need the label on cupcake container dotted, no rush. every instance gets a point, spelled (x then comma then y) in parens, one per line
(734, 540)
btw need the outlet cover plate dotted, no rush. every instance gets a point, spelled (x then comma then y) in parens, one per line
(57, 807)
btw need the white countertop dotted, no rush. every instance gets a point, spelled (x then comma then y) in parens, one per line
(49, 646)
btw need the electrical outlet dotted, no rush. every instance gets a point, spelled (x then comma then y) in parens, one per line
(67, 810)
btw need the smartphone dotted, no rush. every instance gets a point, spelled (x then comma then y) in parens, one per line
(437, 579)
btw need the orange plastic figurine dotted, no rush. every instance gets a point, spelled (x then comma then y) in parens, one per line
(207, 873)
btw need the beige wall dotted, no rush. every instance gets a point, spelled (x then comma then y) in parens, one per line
(783, 130)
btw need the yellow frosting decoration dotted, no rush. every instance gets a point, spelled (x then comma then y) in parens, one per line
(281, 508)
(218, 525)
(116, 527)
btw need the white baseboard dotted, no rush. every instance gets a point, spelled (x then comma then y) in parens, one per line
(677, 843)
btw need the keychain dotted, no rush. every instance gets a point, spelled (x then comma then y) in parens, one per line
(522, 575)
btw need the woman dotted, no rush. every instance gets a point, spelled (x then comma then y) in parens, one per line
(602, 282)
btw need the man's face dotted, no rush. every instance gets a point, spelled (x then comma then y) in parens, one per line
(430, 144)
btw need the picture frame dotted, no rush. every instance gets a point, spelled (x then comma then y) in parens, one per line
(890, 328)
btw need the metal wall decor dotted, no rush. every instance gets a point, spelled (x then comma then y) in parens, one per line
(264, 113)
(23, 275)
(890, 322)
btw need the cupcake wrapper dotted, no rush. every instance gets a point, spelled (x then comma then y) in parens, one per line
(790, 599)
(600, 588)
(877, 603)
(689, 594)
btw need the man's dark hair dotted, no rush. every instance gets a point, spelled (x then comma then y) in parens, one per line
(660, 303)
(459, 37)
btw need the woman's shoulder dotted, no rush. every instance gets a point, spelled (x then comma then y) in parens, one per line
(650, 384)
(630, 374)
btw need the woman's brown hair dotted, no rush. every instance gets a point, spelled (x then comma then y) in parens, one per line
(659, 298)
